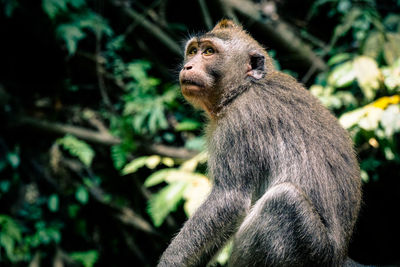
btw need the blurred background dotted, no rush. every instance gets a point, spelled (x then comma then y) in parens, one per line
(101, 158)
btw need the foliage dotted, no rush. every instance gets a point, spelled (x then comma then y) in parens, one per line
(77, 148)
(87, 258)
(89, 202)
(363, 87)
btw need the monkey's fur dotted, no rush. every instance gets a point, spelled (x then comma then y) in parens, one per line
(287, 184)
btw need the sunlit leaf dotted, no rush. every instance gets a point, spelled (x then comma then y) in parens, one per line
(188, 125)
(342, 75)
(392, 76)
(371, 119)
(157, 177)
(224, 254)
(349, 119)
(368, 76)
(385, 101)
(165, 201)
(134, 165)
(168, 162)
(391, 120)
(364, 176)
(153, 161)
(196, 192)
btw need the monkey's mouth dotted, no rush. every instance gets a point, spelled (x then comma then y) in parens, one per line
(192, 82)
(191, 85)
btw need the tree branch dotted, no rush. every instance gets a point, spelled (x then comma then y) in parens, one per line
(103, 137)
(280, 31)
(59, 128)
(152, 29)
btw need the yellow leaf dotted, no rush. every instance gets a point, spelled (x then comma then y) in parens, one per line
(385, 101)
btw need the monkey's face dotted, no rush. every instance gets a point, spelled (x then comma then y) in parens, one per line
(210, 66)
(218, 62)
(199, 73)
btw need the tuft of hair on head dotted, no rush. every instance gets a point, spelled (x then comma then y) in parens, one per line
(226, 24)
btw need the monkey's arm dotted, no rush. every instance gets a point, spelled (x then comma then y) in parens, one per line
(210, 227)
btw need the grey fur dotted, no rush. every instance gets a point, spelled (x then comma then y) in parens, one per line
(286, 180)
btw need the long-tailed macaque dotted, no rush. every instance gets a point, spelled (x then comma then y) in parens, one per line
(286, 182)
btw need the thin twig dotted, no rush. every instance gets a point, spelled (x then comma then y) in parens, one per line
(153, 29)
(206, 14)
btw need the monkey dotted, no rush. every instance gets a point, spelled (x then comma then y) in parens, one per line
(286, 181)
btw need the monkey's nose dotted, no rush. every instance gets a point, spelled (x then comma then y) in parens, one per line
(187, 67)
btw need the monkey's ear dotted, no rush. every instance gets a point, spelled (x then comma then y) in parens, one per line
(225, 24)
(256, 66)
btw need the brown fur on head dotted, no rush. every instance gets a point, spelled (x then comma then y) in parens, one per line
(219, 64)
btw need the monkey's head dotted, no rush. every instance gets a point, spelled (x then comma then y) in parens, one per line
(219, 64)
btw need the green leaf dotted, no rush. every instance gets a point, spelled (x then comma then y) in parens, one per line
(10, 227)
(53, 203)
(9, 7)
(338, 58)
(53, 7)
(157, 177)
(134, 165)
(71, 34)
(8, 244)
(82, 195)
(73, 31)
(373, 44)
(391, 48)
(198, 143)
(347, 23)
(188, 125)
(13, 159)
(10, 233)
(77, 3)
(77, 148)
(165, 201)
(86, 258)
(118, 156)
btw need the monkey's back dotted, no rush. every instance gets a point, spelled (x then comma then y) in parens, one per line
(277, 132)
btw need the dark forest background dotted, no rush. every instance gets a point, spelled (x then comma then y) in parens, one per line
(101, 159)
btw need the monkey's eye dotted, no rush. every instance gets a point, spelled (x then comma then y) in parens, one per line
(192, 51)
(209, 51)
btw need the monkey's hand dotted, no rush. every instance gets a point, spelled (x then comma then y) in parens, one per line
(206, 232)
